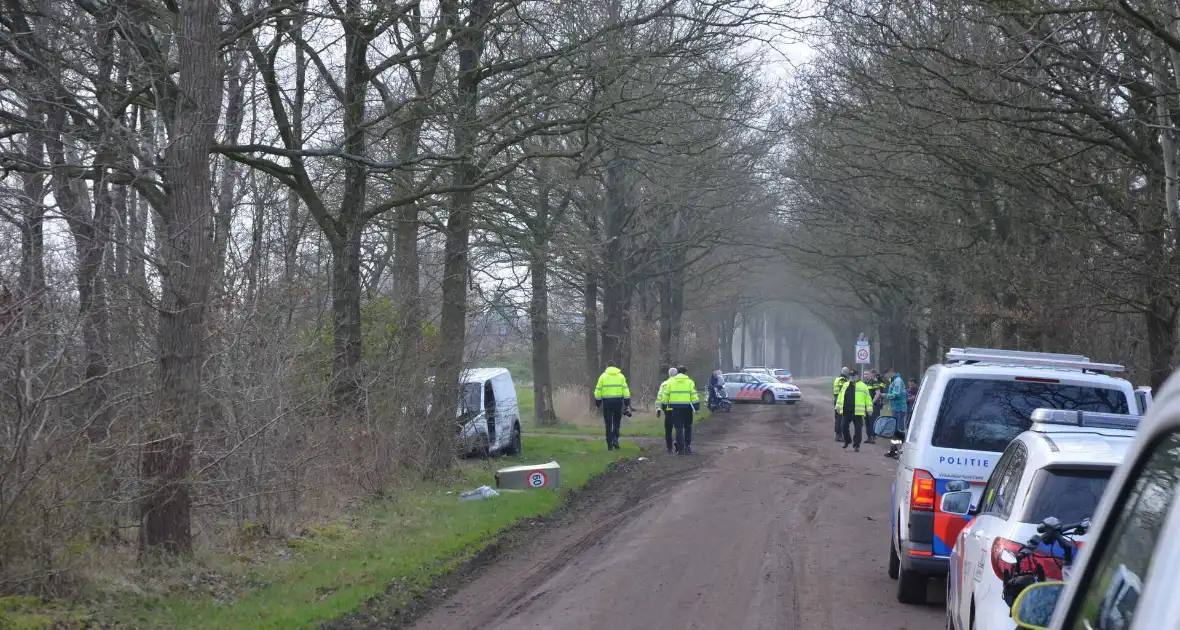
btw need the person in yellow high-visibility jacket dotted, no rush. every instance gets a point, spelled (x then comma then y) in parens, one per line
(837, 387)
(612, 395)
(854, 403)
(669, 419)
(680, 398)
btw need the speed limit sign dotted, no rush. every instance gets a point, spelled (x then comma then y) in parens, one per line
(537, 479)
(862, 354)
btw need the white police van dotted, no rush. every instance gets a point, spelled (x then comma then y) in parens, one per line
(966, 412)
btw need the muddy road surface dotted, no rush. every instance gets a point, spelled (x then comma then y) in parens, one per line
(770, 524)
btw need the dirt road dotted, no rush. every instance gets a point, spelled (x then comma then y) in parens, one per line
(770, 525)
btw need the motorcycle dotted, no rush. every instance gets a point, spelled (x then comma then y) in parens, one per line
(1029, 562)
(719, 401)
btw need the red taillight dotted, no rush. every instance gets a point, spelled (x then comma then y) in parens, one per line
(1047, 563)
(922, 491)
(1033, 379)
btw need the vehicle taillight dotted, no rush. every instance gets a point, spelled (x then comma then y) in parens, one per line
(922, 491)
(1048, 563)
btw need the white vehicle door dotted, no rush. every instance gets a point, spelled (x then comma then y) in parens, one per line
(507, 409)
(1124, 566)
(733, 385)
(976, 538)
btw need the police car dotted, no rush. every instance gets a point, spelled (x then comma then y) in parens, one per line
(763, 388)
(965, 414)
(1059, 468)
(1126, 576)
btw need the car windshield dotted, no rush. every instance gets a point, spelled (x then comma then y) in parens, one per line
(986, 414)
(1068, 494)
(762, 378)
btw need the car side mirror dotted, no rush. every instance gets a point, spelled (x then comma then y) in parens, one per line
(957, 503)
(1033, 609)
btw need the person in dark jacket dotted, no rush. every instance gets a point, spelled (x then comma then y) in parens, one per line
(716, 382)
(876, 384)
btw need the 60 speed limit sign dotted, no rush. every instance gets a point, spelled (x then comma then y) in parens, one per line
(862, 354)
(537, 479)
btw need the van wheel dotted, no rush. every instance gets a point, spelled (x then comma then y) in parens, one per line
(514, 447)
(768, 398)
(894, 561)
(911, 587)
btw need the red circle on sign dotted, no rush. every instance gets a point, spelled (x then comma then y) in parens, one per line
(536, 476)
(862, 354)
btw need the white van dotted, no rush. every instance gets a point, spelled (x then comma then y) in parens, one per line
(965, 414)
(489, 417)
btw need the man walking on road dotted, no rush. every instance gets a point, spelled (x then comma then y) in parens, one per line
(669, 420)
(614, 397)
(854, 403)
(837, 387)
(680, 399)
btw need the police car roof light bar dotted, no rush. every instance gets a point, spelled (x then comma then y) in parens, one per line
(1047, 419)
(1034, 359)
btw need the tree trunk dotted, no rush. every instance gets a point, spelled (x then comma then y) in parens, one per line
(539, 323)
(346, 247)
(165, 525)
(86, 228)
(1161, 333)
(407, 262)
(456, 266)
(671, 288)
(590, 330)
(742, 339)
(728, 326)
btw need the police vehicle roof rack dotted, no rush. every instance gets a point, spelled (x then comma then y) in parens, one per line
(1034, 359)
(1048, 419)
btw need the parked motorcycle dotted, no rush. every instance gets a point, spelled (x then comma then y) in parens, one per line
(720, 401)
(1030, 561)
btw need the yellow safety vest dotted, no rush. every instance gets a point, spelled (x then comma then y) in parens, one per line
(663, 388)
(838, 386)
(612, 384)
(863, 402)
(679, 391)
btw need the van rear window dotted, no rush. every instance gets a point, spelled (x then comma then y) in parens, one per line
(985, 414)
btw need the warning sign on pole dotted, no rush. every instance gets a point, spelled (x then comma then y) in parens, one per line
(862, 351)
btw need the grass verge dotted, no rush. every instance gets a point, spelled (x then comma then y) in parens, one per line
(407, 540)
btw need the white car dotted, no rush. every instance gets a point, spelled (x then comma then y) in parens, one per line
(1058, 468)
(1126, 577)
(966, 413)
(746, 387)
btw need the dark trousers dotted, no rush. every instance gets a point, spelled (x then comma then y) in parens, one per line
(669, 425)
(612, 417)
(839, 424)
(856, 421)
(872, 420)
(683, 427)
